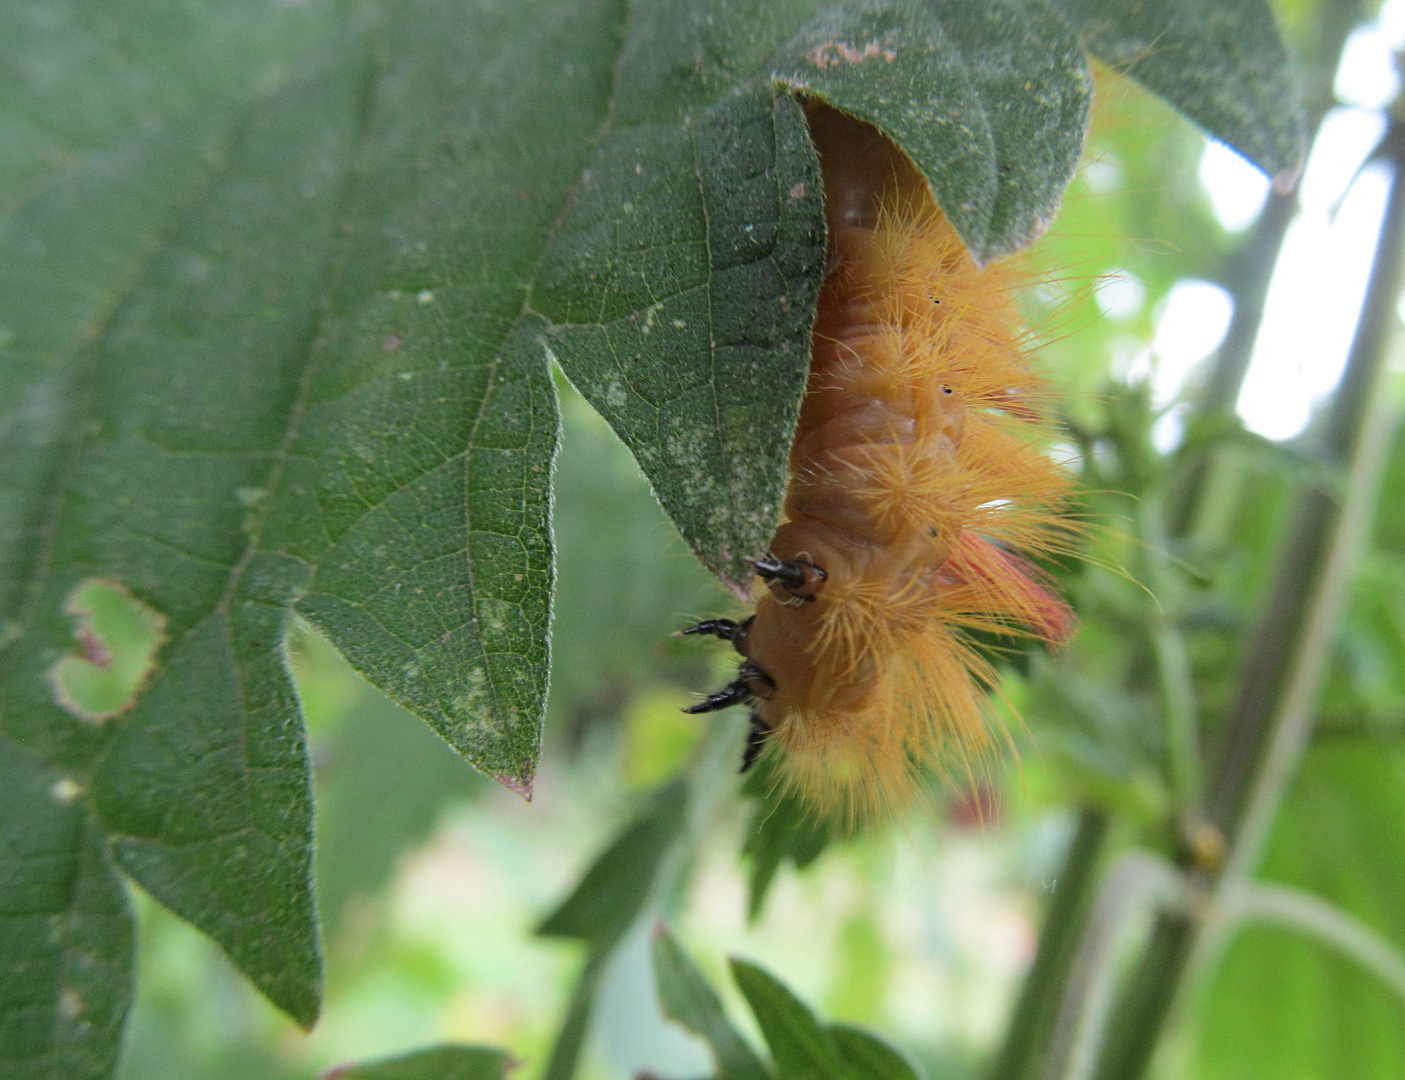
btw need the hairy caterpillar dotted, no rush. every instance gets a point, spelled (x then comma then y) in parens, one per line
(915, 482)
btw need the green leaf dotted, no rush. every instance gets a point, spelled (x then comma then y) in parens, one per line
(801, 1047)
(66, 930)
(175, 412)
(687, 998)
(298, 364)
(681, 293)
(783, 828)
(430, 424)
(612, 893)
(437, 1063)
(867, 1057)
(1220, 62)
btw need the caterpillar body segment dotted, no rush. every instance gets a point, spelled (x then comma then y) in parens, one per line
(915, 481)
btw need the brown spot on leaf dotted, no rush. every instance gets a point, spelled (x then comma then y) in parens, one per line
(833, 53)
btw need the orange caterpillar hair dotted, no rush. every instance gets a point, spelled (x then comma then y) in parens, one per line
(915, 482)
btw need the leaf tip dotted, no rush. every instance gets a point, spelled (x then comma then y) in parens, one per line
(523, 784)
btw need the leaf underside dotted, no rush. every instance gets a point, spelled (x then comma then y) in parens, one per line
(280, 286)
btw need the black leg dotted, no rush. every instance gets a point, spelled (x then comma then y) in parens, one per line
(795, 575)
(755, 741)
(749, 670)
(734, 693)
(726, 629)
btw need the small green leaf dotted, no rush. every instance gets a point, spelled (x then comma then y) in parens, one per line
(867, 1057)
(66, 930)
(687, 998)
(1220, 62)
(437, 1063)
(610, 896)
(801, 1047)
(783, 828)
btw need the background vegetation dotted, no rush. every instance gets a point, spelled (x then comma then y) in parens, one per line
(1200, 850)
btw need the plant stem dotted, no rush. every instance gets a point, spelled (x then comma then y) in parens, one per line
(1032, 1025)
(1272, 720)
(1249, 271)
(1137, 881)
(1174, 678)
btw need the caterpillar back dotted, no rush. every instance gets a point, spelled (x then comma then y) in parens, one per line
(916, 481)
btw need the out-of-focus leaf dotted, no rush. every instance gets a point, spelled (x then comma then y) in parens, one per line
(783, 828)
(687, 998)
(65, 930)
(1284, 1004)
(438, 1063)
(625, 582)
(613, 891)
(1365, 691)
(1221, 62)
(867, 1057)
(382, 779)
(801, 1047)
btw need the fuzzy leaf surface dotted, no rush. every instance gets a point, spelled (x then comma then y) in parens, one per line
(167, 176)
(66, 935)
(1220, 62)
(275, 364)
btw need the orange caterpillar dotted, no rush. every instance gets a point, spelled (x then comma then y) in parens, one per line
(914, 483)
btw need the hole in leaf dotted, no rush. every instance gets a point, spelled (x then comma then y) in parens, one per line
(118, 637)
